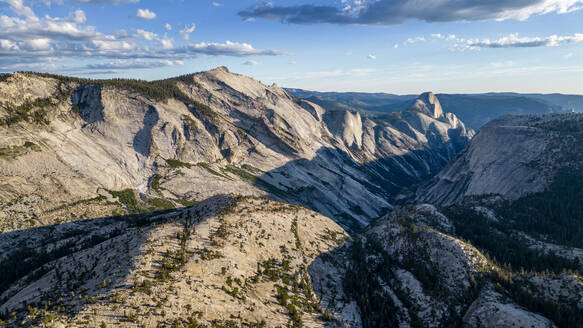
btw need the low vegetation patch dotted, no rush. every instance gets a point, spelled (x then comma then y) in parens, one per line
(155, 183)
(127, 198)
(79, 202)
(17, 151)
(160, 204)
(207, 167)
(174, 163)
(246, 176)
(34, 111)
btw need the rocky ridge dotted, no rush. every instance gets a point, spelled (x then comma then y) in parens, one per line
(74, 148)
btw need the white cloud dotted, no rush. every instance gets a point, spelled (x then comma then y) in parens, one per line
(371, 57)
(414, 40)
(251, 63)
(147, 35)
(37, 44)
(9, 45)
(228, 48)
(569, 55)
(166, 43)
(20, 9)
(515, 41)
(145, 14)
(29, 42)
(168, 27)
(187, 30)
(79, 16)
(217, 4)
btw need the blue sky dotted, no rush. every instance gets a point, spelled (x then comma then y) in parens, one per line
(395, 46)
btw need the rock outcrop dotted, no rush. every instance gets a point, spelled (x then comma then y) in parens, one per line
(428, 104)
(409, 268)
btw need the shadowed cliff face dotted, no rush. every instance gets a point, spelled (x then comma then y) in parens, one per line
(143, 139)
(189, 138)
(87, 100)
(350, 192)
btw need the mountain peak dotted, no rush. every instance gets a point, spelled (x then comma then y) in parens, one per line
(428, 103)
(223, 69)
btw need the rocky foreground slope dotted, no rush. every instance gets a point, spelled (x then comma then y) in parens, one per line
(73, 149)
(227, 262)
(252, 262)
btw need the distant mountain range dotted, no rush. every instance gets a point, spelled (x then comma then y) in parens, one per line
(473, 109)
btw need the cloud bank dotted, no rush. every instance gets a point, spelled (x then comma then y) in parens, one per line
(390, 12)
(27, 40)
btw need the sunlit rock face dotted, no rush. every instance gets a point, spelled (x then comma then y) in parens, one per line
(204, 134)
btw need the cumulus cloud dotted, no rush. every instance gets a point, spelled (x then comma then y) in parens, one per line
(168, 27)
(187, 30)
(29, 42)
(146, 34)
(515, 41)
(20, 9)
(166, 43)
(389, 12)
(371, 57)
(145, 14)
